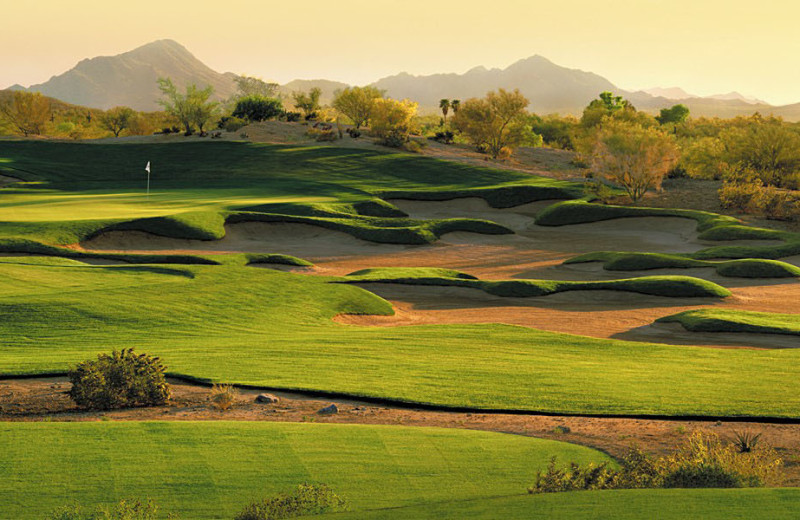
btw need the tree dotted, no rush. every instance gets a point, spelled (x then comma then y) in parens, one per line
(765, 146)
(455, 105)
(307, 102)
(634, 156)
(356, 103)
(391, 120)
(28, 112)
(444, 105)
(675, 115)
(118, 119)
(607, 104)
(191, 108)
(495, 122)
(251, 86)
(258, 108)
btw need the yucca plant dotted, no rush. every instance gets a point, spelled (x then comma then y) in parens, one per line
(746, 442)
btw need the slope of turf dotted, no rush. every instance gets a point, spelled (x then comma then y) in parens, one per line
(670, 286)
(744, 268)
(212, 469)
(196, 186)
(267, 328)
(727, 320)
(634, 504)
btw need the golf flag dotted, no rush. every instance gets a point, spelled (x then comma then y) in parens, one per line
(147, 168)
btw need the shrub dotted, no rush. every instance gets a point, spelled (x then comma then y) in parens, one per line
(122, 379)
(231, 124)
(322, 133)
(739, 196)
(703, 461)
(412, 146)
(307, 499)
(223, 396)
(775, 204)
(257, 108)
(445, 137)
(391, 121)
(354, 133)
(292, 117)
(598, 190)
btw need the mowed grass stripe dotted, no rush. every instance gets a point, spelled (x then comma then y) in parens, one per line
(636, 504)
(211, 469)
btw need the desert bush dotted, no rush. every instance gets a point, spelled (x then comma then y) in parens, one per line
(130, 509)
(505, 153)
(739, 196)
(703, 461)
(307, 499)
(322, 134)
(119, 380)
(775, 204)
(412, 146)
(223, 396)
(231, 123)
(292, 117)
(598, 190)
(257, 108)
(445, 137)
(391, 121)
(354, 133)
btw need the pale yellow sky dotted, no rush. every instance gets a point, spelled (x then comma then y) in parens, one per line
(704, 46)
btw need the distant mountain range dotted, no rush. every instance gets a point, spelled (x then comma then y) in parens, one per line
(130, 79)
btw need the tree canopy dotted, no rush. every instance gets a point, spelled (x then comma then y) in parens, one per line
(496, 121)
(191, 108)
(356, 103)
(28, 112)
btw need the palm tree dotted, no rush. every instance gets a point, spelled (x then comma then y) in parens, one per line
(444, 104)
(455, 105)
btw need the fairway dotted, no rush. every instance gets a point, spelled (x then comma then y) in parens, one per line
(212, 469)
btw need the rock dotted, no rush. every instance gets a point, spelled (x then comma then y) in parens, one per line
(329, 410)
(267, 399)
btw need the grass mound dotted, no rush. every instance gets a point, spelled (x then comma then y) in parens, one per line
(582, 212)
(672, 286)
(497, 197)
(724, 320)
(743, 268)
(218, 467)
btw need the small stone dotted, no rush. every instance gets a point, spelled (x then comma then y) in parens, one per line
(329, 410)
(267, 399)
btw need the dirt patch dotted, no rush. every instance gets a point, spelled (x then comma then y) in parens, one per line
(45, 399)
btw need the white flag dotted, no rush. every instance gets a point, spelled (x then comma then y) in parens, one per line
(147, 168)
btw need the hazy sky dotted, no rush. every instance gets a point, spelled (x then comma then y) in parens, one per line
(704, 46)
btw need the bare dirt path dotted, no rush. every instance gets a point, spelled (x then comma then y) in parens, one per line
(45, 399)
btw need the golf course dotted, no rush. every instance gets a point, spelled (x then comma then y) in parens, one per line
(381, 281)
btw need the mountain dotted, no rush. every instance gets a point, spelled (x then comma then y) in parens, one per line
(735, 96)
(669, 93)
(549, 87)
(129, 79)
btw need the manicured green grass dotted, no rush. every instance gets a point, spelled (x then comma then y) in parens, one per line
(212, 469)
(634, 504)
(581, 212)
(670, 286)
(263, 327)
(727, 320)
(75, 190)
(744, 268)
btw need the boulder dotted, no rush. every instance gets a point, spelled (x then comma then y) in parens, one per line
(329, 410)
(267, 399)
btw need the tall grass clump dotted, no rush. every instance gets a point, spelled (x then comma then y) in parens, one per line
(223, 396)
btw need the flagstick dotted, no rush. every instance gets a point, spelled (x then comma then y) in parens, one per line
(148, 185)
